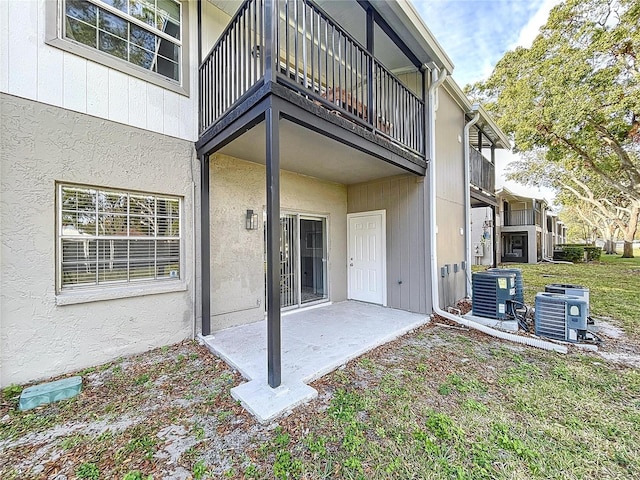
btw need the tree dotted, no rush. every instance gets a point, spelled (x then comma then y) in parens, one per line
(575, 96)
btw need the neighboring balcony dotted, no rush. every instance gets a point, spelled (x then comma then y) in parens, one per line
(300, 47)
(482, 172)
(514, 218)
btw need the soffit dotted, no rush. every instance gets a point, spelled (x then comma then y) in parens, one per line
(309, 153)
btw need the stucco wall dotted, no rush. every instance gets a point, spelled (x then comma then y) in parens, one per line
(237, 254)
(403, 198)
(450, 196)
(42, 144)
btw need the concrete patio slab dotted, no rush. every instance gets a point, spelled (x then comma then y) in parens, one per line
(314, 342)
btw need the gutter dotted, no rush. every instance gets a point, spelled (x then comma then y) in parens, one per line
(467, 198)
(430, 221)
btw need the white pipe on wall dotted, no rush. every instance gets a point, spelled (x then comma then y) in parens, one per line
(430, 213)
(467, 199)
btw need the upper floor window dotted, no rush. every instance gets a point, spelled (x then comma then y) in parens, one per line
(116, 237)
(144, 38)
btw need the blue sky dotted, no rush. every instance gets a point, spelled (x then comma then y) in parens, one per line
(477, 33)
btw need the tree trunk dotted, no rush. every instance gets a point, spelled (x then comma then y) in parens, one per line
(630, 232)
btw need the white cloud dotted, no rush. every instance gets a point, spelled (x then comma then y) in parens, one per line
(530, 31)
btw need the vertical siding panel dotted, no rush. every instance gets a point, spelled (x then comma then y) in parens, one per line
(74, 95)
(50, 75)
(118, 97)
(424, 292)
(155, 108)
(23, 49)
(137, 103)
(394, 272)
(98, 90)
(171, 114)
(4, 46)
(188, 113)
(404, 251)
(412, 247)
(49, 66)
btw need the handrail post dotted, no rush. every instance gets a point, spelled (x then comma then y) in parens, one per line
(370, 68)
(270, 35)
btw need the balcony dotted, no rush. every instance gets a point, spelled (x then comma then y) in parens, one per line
(483, 172)
(514, 218)
(298, 46)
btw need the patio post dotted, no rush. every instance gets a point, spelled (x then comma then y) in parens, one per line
(274, 367)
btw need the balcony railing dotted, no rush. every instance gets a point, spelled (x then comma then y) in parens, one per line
(483, 172)
(522, 217)
(300, 46)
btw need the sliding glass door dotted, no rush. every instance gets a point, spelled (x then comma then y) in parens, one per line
(303, 260)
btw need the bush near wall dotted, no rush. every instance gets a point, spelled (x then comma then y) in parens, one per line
(576, 253)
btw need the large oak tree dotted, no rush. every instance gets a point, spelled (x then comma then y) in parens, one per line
(575, 94)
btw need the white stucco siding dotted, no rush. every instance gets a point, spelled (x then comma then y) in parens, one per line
(42, 145)
(237, 254)
(32, 69)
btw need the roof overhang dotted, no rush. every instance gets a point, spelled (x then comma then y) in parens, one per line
(403, 17)
(485, 122)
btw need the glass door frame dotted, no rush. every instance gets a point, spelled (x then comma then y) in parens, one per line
(298, 267)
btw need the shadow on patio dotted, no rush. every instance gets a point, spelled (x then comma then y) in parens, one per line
(314, 342)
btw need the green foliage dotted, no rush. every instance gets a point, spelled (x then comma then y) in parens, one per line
(345, 405)
(11, 392)
(200, 470)
(569, 253)
(286, 467)
(593, 253)
(88, 470)
(442, 426)
(136, 475)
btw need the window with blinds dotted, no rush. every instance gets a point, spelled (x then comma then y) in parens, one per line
(115, 237)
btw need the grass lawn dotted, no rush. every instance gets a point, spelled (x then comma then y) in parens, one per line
(438, 403)
(614, 286)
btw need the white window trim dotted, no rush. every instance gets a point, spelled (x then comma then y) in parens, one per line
(54, 37)
(107, 291)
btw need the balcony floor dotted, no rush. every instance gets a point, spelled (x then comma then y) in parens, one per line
(314, 342)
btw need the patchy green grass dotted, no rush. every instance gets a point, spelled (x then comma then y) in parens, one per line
(437, 403)
(507, 413)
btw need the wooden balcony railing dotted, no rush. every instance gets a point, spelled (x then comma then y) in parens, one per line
(483, 172)
(298, 45)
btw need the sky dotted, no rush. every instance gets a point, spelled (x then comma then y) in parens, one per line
(475, 34)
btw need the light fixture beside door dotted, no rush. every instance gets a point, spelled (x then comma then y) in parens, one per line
(251, 220)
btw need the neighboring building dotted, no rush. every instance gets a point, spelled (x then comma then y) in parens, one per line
(483, 236)
(135, 210)
(522, 228)
(555, 234)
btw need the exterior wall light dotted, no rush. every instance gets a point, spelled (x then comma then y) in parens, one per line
(251, 220)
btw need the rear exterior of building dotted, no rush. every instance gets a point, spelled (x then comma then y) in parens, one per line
(177, 168)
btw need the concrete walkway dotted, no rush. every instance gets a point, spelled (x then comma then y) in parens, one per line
(314, 342)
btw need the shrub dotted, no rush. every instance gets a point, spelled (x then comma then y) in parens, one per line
(569, 253)
(593, 253)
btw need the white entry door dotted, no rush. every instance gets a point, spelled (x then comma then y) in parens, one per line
(366, 257)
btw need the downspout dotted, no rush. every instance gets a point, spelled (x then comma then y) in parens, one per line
(467, 197)
(430, 220)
